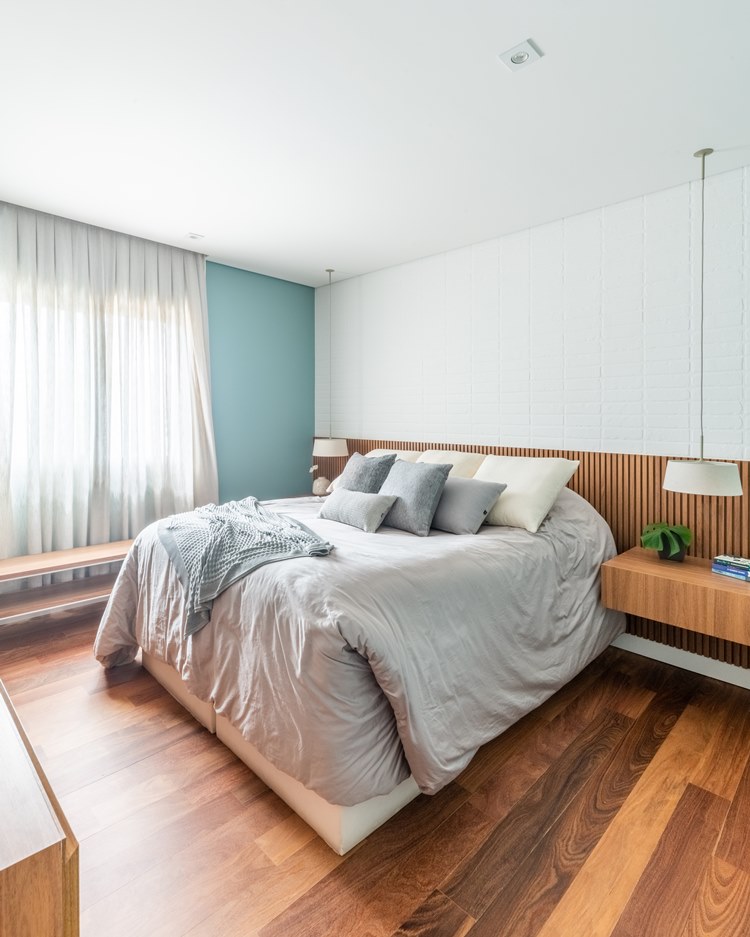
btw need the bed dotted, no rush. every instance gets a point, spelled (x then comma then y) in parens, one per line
(351, 682)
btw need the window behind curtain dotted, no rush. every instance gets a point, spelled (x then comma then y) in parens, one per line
(105, 414)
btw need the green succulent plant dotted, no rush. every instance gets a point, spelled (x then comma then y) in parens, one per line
(662, 536)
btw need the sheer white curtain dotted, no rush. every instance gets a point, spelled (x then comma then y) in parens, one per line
(105, 410)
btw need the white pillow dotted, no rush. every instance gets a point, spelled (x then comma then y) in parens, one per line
(464, 464)
(533, 486)
(406, 455)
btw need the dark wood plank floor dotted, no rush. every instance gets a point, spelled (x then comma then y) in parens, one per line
(620, 808)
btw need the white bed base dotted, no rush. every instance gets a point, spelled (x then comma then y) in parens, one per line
(340, 827)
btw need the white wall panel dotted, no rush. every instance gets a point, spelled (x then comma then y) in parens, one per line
(547, 338)
(458, 347)
(622, 270)
(583, 334)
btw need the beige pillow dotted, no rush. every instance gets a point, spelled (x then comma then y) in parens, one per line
(533, 486)
(464, 464)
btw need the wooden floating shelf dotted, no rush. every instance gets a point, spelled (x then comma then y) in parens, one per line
(23, 567)
(78, 592)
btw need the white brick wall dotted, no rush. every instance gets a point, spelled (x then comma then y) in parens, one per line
(580, 334)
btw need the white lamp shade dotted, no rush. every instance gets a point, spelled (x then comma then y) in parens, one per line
(700, 477)
(330, 448)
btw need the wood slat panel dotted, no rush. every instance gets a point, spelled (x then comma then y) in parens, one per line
(626, 490)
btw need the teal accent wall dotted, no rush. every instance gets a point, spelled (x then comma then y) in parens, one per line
(262, 342)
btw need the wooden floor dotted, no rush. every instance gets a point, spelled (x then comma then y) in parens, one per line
(621, 807)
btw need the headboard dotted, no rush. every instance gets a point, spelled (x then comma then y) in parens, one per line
(626, 490)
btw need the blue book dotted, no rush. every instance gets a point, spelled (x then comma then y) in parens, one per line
(730, 568)
(741, 574)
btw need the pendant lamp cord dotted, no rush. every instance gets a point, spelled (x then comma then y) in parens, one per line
(703, 155)
(706, 151)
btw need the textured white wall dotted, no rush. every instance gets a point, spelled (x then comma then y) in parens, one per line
(581, 334)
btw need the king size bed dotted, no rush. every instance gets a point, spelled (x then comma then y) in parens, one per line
(353, 681)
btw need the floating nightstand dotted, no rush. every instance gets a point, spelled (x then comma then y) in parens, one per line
(687, 595)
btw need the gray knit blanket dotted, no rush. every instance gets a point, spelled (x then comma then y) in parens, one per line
(216, 545)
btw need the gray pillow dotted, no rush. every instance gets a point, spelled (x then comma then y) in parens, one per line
(357, 508)
(465, 504)
(417, 486)
(361, 474)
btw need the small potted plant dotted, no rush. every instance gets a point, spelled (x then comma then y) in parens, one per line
(671, 540)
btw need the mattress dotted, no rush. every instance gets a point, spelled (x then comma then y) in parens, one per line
(393, 656)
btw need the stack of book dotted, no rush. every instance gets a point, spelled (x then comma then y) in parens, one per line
(738, 567)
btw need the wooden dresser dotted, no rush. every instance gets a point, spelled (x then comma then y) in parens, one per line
(38, 851)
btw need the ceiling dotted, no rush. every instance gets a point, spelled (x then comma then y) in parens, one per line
(300, 135)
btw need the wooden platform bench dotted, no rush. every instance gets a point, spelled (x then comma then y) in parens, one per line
(25, 603)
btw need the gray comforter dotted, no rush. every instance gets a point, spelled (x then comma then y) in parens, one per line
(393, 655)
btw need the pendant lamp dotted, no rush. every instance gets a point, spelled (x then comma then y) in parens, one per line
(700, 476)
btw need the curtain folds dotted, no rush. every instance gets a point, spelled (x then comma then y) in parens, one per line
(105, 409)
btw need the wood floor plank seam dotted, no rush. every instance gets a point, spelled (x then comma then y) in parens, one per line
(543, 744)
(81, 789)
(594, 901)
(542, 876)
(683, 853)
(436, 916)
(365, 877)
(734, 843)
(722, 905)
(473, 886)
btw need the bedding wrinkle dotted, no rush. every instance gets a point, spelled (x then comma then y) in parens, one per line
(397, 655)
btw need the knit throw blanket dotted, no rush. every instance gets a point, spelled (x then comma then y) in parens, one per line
(216, 545)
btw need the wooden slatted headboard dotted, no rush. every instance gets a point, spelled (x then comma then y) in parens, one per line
(626, 490)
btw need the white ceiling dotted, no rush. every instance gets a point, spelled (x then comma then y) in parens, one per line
(298, 135)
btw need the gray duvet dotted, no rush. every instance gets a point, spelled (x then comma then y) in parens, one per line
(393, 655)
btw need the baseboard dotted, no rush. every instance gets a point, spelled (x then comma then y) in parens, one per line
(717, 669)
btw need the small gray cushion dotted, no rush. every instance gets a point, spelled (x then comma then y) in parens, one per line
(361, 474)
(465, 504)
(357, 508)
(417, 486)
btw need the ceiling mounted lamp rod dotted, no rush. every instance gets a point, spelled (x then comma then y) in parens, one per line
(326, 447)
(699, 476)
